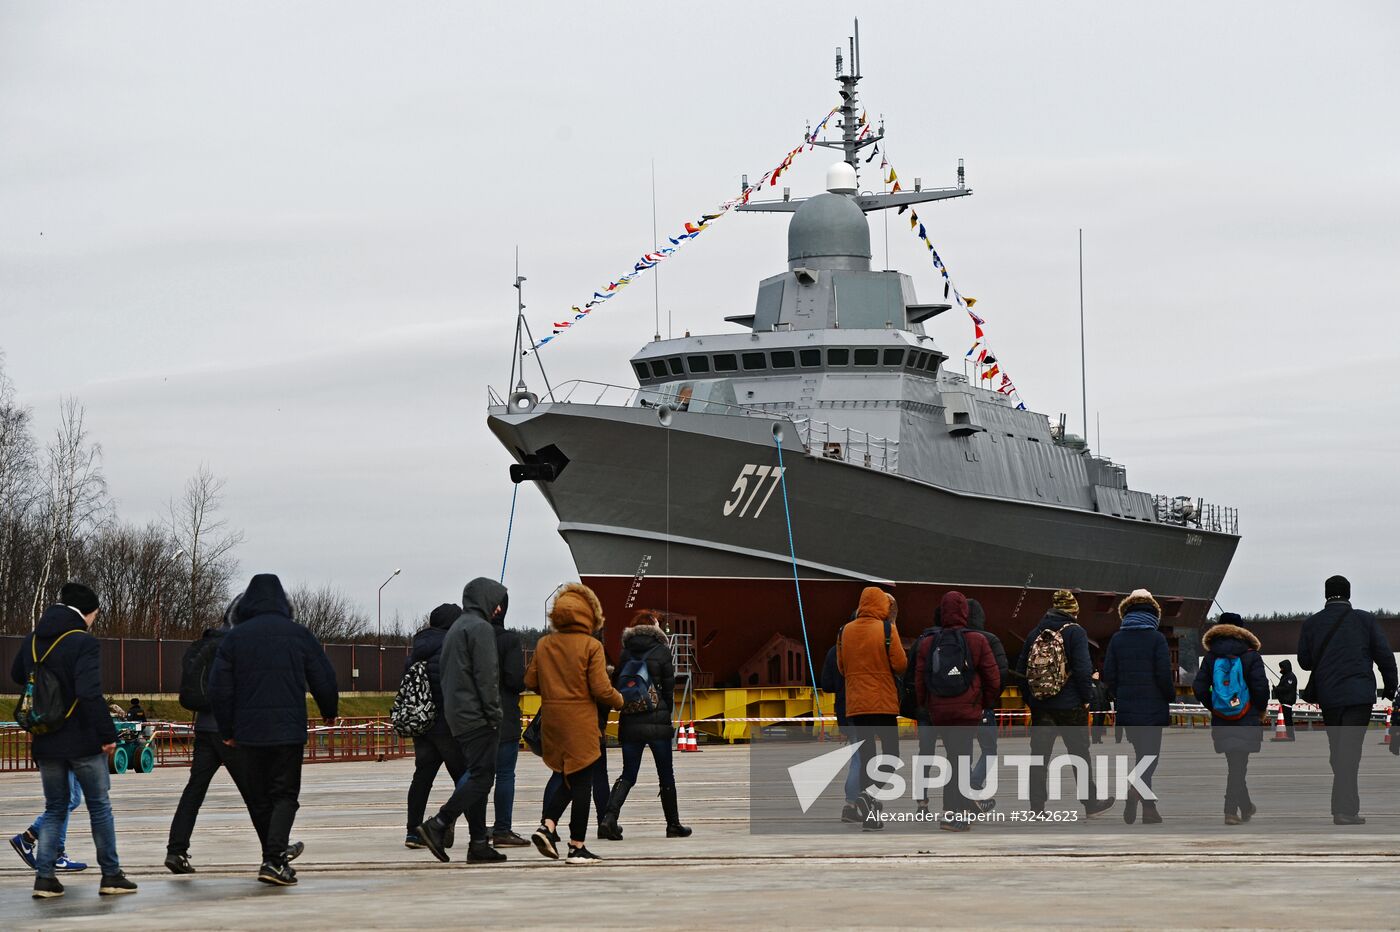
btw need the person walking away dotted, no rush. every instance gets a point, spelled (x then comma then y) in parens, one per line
(602, 788)
(63, 657)
(1286, 692)
(957, 680)
(570, 674)
(210, 752)
(1137, 670)
(263, 668)
(1232, 682)
(870, 656)
(25, 842)
(510, 660)
(1099, 705)
(987, 732)
(471, 694)
(835, 684)
(1339, 645)
(435, 748)
(646, 724)
(1054, 664)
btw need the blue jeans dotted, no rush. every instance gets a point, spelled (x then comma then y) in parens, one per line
(504, 797)
(75, 799)
(853, 779)
(660, 753)
(91, 774)
(987, 741)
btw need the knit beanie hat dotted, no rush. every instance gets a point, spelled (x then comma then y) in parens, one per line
(77, 596)
(1064, 601)
(1337, 587)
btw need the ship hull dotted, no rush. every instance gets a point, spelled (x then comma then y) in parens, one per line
(690, 518)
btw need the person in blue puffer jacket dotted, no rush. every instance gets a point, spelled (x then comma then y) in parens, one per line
(1138, 672)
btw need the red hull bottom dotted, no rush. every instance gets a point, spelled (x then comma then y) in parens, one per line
(735, 618)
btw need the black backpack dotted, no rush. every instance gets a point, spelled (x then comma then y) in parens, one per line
(949, 670)
(194, 674)
(42, 708)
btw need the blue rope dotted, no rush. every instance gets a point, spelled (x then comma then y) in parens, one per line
(509, 527)
(792, 551)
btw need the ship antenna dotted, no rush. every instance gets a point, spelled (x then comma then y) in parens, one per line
(521, 324)
(655, 273)
(1083, 364)
(849, 77)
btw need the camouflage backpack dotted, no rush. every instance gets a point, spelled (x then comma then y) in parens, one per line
(1047, 667)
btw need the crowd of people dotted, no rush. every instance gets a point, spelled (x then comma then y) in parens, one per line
(247, 679)
(951, 679)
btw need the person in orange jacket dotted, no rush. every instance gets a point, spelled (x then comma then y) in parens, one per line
(870, 656)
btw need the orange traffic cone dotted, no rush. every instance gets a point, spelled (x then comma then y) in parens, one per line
(681, 743)
(694, 744)
(1280, 729)
(1389, 717)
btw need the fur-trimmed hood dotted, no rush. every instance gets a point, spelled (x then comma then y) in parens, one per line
(1140, 598)
(646, 635)
(576, 608)
(1219, 632)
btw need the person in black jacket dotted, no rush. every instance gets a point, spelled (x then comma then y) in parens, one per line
(210, 753)
(639, 730)
(834, 683)
(511, 663)
(61, 643)
(1236, 738)
(1286, 692)
(1137, 669)
(987, 731)
(257, 686)
(1065, 713)
(434, 748)
(1345, 686)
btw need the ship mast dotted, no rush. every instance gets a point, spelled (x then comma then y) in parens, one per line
(851, 143)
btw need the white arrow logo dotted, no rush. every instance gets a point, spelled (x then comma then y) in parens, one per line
(811, 778)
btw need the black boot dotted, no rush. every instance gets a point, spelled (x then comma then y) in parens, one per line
(607, 826)
(674, 828)
(1130, 806)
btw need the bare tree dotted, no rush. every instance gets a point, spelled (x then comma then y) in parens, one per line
(133, 568)
(18, 497)
(329, 614)
(75, 497)
(197, 528)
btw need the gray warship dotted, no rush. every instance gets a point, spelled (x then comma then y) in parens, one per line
(827, 439)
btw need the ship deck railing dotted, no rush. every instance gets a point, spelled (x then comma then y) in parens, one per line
(1184, 511)
(848, 445)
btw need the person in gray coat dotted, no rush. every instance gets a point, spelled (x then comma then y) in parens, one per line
(471, 698)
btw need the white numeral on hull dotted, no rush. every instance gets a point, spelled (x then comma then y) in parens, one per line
(741, 487)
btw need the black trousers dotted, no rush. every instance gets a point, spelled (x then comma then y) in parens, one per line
(430, 753)
(1287, 718)
(1070, 726)
(272, 776)
(573, 792)
(1346, 735)
(210, 754)
(869, 729)
(957, 742)
(1236, 789)
(479, 758)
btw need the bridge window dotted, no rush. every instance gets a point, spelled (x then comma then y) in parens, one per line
(642, 372)
(675, 363)
(658, 368)
(755, 361)
(726, 362)
(867, 357)
(811, 358)
(784, 359)
(698, 364)
(894, 357)
(931, 364)
(838, 357)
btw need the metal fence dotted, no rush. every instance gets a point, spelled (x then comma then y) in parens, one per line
(142, 667)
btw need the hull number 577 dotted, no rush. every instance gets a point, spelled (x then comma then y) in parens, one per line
(748, 486)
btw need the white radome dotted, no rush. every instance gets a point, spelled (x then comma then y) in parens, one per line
(841, 179)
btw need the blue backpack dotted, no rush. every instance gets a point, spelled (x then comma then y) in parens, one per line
(1229, 694)
(634, 682)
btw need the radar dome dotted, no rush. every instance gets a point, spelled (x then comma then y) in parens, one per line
(829, 231)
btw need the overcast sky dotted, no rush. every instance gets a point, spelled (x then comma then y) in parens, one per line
(278, 238)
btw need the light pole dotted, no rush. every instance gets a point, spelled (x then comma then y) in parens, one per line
(379, 625)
